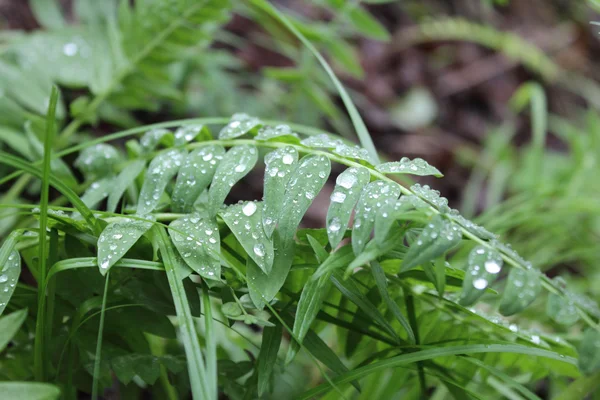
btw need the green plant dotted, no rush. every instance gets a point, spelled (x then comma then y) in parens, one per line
(150, 244)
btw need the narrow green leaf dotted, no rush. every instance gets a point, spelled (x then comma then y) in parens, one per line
(279, 165)
(239, 125)
(348, 187)
(339, 259)
(123, 181)
(304, 185)
(151, 139)
(371, 199)
(236, 164)
(116, 240)
(10, 325)
(29, 391)
(245, 222)
(366, 24)
(197, 240)
(9, 276)
(194, 176)
(436, 238)
(267, 357)
(98, 160)
(418, 166)
(160, 171)
(562, 310)
(381, 282)
(483, 268)
(522, 288)
(319, 250)
(589, 352)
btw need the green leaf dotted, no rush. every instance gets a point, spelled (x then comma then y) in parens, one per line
(483, 268)
(151, 139)
(321, 141)
(381, 282)
(339, 259)
(160, 171)
(116, 240)
(123, 181)
(236, 164)
(194, 176)
(10, 325)
(267, 357)
(187, 133)
(97, 192)
(366, 24)
(589, 352)
(304, 185)
(98, 160)
(352, 152)
(345, 56)
(522, 288)
(47, 13)
(348, 187)
(197, 240)
(437, 237)
(146, 366)
(418, 166)
(562, 310)
(245, 222)
(277, 133)
(239, 125)
(371, 199)
(279, 166)
(387, 215)
(9, 275)
(29, 391)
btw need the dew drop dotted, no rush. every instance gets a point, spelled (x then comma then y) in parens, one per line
(480, 283)
(249, 208)
(492, 267)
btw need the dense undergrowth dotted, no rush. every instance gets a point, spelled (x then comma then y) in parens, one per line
(147, 280)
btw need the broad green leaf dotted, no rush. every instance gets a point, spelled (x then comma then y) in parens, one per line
(483, 268)
(522, 288)
(98, 160)
(373, 196)
(267, 357)
(29, 391)
(366, 24)
(194, 176)
(187, 133)
(418, 166)
(245, 222)
(589, 351)
(437, 237)
(239, 125)
(97, 191)
(562, 310)
(236, 164)
(10, 325)
(116, 240)
(348, 187)
(151, 139)
(277, 133)
(352, 152)
(9, 275)
(160, 171)
(146, 366)
(197, 241)
(123, 181)
(304, 185)
(381, 282)
(321, 141)
(279, 166)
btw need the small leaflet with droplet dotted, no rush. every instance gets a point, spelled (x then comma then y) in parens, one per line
(561, 309)
(197, 240)
(160, 171)
(116, 240)
(472, 227)
(483, 268)
(277, 133)
(348, 186)
(387, 214)
(9, 275)
(278, 171)
(245, 222)
(239, 125)
(123, 181)
(194, 176)
(437, 237)
(589, 351)
(354, 152)
(418, 166)
(321, 141)
(522, 288)
(236, 164)
(304, 185)
(98, 160)
(97, 192)
(151, 139)
(186, 133)
(431, 196)
(373, 196)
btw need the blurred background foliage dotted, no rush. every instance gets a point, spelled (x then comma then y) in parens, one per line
(502, 96)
